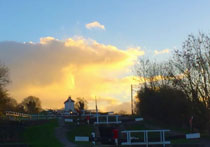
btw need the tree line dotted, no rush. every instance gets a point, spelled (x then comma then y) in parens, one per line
(30, 104)
(177, 90)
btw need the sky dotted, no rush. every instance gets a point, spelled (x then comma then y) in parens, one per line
(58, 48)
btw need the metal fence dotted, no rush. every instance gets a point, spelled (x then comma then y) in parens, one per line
(146, 140)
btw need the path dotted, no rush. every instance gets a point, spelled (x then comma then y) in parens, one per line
(60, 133)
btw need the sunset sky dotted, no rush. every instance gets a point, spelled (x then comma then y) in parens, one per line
(87, 48)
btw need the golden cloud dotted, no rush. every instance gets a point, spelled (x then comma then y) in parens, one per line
(124, 106)
(165, 51)
(95, 24)
(54, 69)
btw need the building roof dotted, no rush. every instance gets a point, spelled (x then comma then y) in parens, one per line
(69, 99)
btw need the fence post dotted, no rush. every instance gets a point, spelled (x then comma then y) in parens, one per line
(107, 119)
(97, 118)
(163, 138)
(146, 138)
(129, 137)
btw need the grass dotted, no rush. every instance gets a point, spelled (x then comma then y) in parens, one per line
(79, 130)
(139, 126)
(184, 141)
(42, 135)
(156, 136)
(183, 130)
(205, 135)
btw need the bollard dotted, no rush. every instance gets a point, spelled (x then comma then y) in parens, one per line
(93, 135)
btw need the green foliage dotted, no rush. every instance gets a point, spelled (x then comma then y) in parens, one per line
(192, 142)
(81, 104)
(192, 62)
(31, 105)
(136, 126)
(187, 73)
(42, 135)
(165, 104)
(79, 130)
(201, 117)
(6, 103)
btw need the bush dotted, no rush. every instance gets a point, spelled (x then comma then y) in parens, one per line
(164, 104)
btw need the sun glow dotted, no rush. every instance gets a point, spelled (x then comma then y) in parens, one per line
(54, 69)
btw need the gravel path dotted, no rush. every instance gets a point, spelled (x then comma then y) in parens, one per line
(60, 133)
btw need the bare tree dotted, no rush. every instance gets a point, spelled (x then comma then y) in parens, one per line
(153, 74)
(188, 71)
(191, 70)
(6, 103)
(3, 76)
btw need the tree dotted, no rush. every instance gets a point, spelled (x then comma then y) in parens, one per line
(31, 105)
(6, 103)
(20, 108)
(191, 74)
(4, 80)
(192, 64)
(188, 72)
(165, 104)
(81, 104)
(152, 74)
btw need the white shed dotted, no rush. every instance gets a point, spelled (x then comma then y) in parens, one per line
(69, 105)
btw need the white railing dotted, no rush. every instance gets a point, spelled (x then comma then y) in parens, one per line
(98, 121)
(17, 114)
(146, 138)
(23, 116)
(42, 116)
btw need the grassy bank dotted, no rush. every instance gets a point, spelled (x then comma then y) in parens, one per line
(79, 130)
(42, 135)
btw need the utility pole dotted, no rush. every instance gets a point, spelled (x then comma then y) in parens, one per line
(97, 118)
(131, 99)
(96, 105)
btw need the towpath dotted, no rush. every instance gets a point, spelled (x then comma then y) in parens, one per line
(61, 133)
